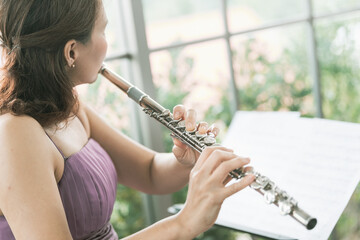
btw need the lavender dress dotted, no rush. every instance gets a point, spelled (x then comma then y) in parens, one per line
(88, 191)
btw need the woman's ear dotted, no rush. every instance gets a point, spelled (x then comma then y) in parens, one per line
(70, 53)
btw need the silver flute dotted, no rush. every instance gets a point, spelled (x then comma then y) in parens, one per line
(262, 184)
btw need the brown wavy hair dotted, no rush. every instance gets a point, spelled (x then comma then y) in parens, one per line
(34, 79)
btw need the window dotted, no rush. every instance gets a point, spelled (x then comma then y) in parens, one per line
(219, 56)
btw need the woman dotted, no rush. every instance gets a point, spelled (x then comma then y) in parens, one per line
(60, 162)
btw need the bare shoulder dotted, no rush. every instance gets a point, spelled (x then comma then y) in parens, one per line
(29, 196)
(22, 137)
(11, 122)
(19, 129)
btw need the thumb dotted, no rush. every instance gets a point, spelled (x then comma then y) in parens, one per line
(179, 148)
(180, 144)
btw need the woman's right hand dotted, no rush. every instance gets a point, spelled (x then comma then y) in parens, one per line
(208, 190)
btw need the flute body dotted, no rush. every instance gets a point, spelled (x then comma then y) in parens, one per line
(262, 184)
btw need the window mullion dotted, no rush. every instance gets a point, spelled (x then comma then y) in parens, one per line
(314, 62)
(234, 101)
(149, 130)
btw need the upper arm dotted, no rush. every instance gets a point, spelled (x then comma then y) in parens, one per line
(131, 159)
(29, 196)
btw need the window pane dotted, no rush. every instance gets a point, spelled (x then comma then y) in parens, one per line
(196, 76)
(246, 14)
(339, 53)
(114, 31)
(271, 70)
(174, 21)
(326, 6)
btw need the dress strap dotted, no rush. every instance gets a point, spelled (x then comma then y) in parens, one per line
(63, 156)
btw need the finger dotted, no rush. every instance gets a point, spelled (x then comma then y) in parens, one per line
(237, 186)
(203, 127)
(190, 120)
(207, 152)
(229, 178)
(179, 149)
(215, 159)
(180, 154)
(248, 169)
(179, 144)
(222, 171)
(179, 112)
(214, 130)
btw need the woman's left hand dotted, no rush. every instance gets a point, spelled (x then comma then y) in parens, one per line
(185, 154)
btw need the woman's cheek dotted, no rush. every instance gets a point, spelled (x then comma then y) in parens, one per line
(103, 47)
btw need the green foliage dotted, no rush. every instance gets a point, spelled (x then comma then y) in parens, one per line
(221, 111)
(348, 226)
(340, 73)
(127, 217)
(272, 84)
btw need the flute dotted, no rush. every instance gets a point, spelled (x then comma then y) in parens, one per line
(262, 184)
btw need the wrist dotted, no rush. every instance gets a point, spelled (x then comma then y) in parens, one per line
(183, 229)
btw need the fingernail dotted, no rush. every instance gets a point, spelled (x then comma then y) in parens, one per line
(176, 115)
(190, 126)
(203, 128)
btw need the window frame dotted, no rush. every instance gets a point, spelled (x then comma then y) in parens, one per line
(139, 72)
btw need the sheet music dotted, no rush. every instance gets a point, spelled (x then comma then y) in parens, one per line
(316, 161)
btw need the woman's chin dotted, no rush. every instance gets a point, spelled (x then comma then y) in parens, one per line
(93, 80)
(88, 81)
